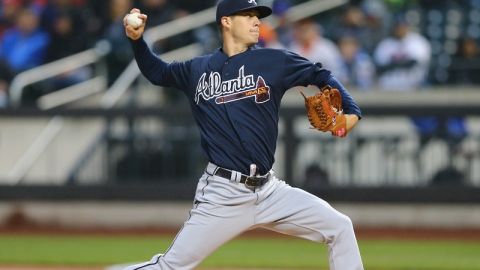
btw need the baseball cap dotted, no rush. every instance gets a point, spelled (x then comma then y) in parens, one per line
(230, 7)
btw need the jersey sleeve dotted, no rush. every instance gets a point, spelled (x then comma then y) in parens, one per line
(298, 71)
(159, 72)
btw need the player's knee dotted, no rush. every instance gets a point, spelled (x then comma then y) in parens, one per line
(344, 223)
(340, 227)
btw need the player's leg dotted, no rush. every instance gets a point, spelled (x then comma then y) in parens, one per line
(210, 225)
(200, 236)
(296, 212)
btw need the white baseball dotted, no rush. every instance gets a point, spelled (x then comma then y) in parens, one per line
(133, 20)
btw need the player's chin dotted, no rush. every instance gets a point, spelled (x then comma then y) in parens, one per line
(254, 38)
(253, 41)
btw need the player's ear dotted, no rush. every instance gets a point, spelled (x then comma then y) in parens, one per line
(225, 21)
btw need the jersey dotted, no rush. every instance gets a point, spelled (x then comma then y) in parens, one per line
(235, 100)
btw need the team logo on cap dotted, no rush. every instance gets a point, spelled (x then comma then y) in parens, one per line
(252, 2)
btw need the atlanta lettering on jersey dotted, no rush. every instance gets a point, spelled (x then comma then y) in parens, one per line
(232, 90)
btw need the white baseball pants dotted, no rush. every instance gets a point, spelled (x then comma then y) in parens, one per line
(224, 209)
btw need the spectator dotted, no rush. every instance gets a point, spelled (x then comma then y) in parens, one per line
(6, 76)
(37, 5)
(378, 22)
(158, 11)
(98, 13)
(121, 53)
(352, 23)
(3, 94)
(84, 22)
(309, 43)
(358, 69)
(268, 37)
(284, 26)
(177, 41)
(24, 46)
(9, 10)
(403, 59)
(65, 42)
(465, 66)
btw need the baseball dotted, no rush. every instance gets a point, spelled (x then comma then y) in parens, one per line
(133, 20)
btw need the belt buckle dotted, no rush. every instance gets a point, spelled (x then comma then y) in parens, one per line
(252, 181)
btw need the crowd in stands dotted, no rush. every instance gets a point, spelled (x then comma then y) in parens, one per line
(35, 32)
(393, 45)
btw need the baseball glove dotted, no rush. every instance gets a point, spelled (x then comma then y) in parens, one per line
(324, 110)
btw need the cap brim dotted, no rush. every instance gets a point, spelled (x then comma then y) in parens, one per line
(263, 11)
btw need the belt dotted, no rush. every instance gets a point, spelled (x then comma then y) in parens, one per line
(249, 181)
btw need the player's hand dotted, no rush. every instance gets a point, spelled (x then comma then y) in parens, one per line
(130, 31)
(351, 121)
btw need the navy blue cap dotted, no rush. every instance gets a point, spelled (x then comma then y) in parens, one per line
(230, 7)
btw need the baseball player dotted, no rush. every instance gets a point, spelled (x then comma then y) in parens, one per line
(235, 95)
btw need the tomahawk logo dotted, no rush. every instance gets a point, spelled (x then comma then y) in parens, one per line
(261, 93)
(252, 2)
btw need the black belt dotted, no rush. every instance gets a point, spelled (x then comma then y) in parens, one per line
(249, 181)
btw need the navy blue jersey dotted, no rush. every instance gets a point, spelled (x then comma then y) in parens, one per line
(235, 100)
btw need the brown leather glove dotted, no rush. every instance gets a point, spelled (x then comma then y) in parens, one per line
(324, 111)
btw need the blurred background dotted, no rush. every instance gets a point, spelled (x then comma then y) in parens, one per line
(87, 142)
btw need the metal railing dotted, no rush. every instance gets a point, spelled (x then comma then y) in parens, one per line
(48, 134)
(52, 69)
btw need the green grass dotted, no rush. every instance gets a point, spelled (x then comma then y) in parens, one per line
(77, 249)
(246, 252)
